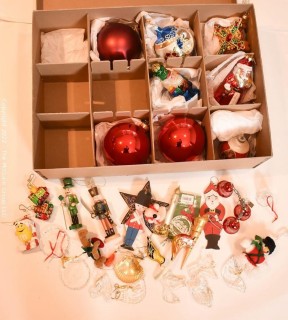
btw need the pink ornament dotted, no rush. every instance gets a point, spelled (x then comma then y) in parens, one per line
(127, 144)
(181, 139)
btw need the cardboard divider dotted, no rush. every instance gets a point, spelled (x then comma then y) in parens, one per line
(70, 99)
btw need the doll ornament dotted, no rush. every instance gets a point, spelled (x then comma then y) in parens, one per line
(134, 218)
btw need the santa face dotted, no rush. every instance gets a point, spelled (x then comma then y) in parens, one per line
(212, 200)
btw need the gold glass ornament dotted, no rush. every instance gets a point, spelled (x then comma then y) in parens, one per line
(128, 269)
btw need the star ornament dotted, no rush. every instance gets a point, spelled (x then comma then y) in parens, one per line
(145, 198)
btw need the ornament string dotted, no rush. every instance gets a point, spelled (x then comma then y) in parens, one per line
(53, 247)
(270, 204)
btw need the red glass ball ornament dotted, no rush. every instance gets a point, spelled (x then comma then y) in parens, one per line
(242, 213)
(118, 41)
(127, 144)
(225, 188)
(231, 225)
(181, 139)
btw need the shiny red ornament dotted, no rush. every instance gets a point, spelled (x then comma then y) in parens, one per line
(118, 41)
(181, 139)
(225, 188)
(242, 212)
(127, 144)
(231, 225)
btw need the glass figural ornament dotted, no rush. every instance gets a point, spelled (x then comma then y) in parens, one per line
(174, 82)
(181, 139)
(173, 42)
(236, 147)
(127, 144)
(118, 41)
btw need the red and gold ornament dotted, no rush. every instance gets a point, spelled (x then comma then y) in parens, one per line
(237, 147)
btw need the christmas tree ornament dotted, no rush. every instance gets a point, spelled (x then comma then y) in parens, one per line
(54, 242)
(102, 288)
(118, 41)
(127, 144)
(39, 198)
(38, 195)
(25, 230)
(236, 83)
(153, 252)
(236, 147)
(128, 269)
(197, 283)
(134, 218)
(181, 139)
(92, 246)
(226, 35)
(70, 201)
(154, 216)
(130, 293)
(183, 209)
(173, 42)
(174, 82)
(74, 272)
(188, 242)
(232, 38)
(214, 210)
(253, 256)
(231, 225)
(170, 283)
(265, 199)
(101, 212)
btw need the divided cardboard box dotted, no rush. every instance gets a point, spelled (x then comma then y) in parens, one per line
(70, 99)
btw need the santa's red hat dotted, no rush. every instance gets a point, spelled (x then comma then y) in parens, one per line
(210, 188)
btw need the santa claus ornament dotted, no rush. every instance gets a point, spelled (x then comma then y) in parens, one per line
(216, 212)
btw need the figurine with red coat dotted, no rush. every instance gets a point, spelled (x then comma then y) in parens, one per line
(216, 213)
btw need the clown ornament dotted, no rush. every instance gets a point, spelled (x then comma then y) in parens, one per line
(216, 212)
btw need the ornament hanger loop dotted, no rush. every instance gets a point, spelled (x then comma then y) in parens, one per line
(30, 179)
(22, 207)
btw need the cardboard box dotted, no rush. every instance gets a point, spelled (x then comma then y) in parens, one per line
(70, 99)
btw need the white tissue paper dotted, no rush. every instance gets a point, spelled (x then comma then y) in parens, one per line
(227, 124)
(64, 46)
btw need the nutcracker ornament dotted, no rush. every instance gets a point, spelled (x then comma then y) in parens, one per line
(174, 82)
(42, 207)
(70, 201)
(101, 212)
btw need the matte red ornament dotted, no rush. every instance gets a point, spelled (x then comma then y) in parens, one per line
(242, 212)
(127, 144)
(118, 41)
(231, 225)
(181, 139)
(225, 188)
